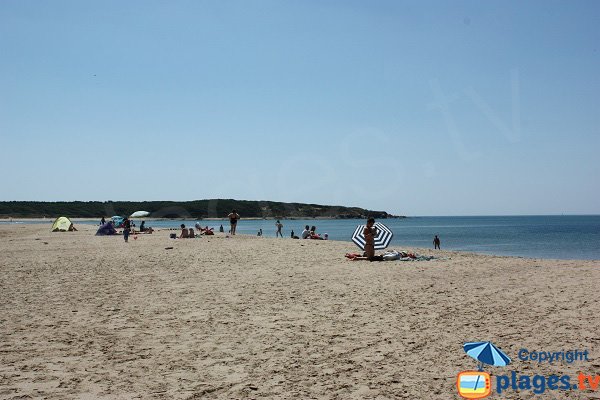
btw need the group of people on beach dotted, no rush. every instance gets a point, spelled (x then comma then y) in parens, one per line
(307, 233)
(311, 233)
(189, 233)
(128, 227)
(369, 232)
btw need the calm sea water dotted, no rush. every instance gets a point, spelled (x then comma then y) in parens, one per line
(561, 237)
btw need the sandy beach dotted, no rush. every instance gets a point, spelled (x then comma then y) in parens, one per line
(86, 317)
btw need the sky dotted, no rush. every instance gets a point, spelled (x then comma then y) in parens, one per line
(414, 108)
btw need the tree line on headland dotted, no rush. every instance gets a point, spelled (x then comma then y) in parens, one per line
(197, 209)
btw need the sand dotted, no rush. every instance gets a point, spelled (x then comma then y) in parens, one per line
(85, 317)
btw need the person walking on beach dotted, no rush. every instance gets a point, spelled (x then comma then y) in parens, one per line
(436, 243)
(279, 225)
(102, 221)
(370, 232)
(233, 219)
(126, 229)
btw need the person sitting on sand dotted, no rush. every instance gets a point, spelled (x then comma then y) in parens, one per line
(184, 232)
(305, 233)
(293, 236)
(72, 228)
(314, 234)
(206, 231)
(144, 229)
(221, 229)
(191, 234)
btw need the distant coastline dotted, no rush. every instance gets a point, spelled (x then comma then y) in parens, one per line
(208, 209)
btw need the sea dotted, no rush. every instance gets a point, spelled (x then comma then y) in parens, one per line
(565, 237)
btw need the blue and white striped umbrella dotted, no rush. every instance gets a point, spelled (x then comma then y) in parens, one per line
(382, 239)
(487, 353)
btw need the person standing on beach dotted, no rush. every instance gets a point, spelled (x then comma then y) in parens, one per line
(126, 229)
(279, 225)
(370, 232)
(233, 219)
(436, 243)
(102, 221)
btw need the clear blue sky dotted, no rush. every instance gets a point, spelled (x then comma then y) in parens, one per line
(416, 108)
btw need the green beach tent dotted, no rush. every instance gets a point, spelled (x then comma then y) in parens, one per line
(61, 224)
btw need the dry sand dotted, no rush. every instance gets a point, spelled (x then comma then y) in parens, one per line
(86, 317)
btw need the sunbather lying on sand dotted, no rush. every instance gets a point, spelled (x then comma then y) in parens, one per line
(361, 257)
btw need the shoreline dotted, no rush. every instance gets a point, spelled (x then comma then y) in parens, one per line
(420, 250)
(39, 219)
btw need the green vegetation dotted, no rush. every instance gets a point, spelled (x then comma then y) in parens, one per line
(197, 209)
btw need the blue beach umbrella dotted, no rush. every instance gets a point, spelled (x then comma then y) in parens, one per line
(486, 353)
(118, 221)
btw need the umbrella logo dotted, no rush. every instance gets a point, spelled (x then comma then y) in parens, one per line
(477, 384)
(474, 384)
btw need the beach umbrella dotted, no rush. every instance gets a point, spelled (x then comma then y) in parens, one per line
(382, 239)
(118, 221)
(139, 214)
(486, 353)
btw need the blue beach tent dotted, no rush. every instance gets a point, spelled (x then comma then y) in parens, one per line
(106, 229)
